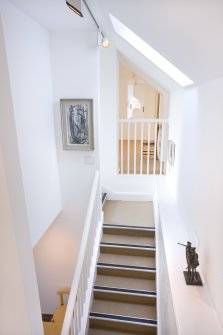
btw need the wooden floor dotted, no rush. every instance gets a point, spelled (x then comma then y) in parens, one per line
(149, 165)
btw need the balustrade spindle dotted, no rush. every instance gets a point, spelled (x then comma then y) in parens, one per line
(128, 155)
(148, 148)
(135, 136)
(138, 146)
(155, 142)
(141, 148)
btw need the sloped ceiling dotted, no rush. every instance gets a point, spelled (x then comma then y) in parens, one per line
(188, 33)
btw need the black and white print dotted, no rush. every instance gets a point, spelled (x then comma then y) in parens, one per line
(77, 124)
(77, 121)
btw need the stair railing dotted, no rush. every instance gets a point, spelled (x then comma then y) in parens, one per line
(142, 146)
(76, 317)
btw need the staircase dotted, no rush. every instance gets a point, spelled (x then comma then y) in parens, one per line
(124, 296)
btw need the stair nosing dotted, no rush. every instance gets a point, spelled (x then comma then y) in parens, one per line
(127, 267)
(123, 318)
(132, 246)
(107, 225)
(98, 288)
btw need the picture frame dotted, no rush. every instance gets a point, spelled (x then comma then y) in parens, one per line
(171, 152)
(77, 124)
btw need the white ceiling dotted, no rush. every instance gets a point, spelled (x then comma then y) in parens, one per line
(189, 33)
(54, 14)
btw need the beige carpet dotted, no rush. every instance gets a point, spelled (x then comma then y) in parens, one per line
(132, 213)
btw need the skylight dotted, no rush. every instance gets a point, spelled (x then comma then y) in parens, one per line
(151, 54)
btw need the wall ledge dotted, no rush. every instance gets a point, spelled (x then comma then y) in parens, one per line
(194, 310)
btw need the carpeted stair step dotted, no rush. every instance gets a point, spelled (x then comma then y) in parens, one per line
(128, 230)
(127, 249)
(129, 239)
(127, 282)
(103, 331)
(124, 295)
(128, 324)
(133, 260)
(126, 270)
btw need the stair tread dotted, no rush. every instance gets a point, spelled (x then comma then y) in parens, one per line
(134, 240)
(128, 230)
(127, 260)
(102, 331)
(121, 317)
(131, 283)
(129, 212)
(123, 295)
(124, 309)
(124, 290)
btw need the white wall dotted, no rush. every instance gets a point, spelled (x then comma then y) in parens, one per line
(28, 56)
(194, 195)
(145, 93)
(109, 112)
(19, 303)
(109, 107)
(74, 57)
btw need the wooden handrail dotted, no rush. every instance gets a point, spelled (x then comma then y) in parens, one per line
(61, 293)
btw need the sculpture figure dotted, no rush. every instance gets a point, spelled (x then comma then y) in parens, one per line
(192, 277)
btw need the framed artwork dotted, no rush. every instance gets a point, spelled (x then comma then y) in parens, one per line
(171, 152)
(77, 124)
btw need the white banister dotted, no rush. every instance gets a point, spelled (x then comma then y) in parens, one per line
(148, 147)
(121, 148)
(135, 134)
(128, 156)
(155, 149)
(161, 148)
(79, 298)
(143, 146)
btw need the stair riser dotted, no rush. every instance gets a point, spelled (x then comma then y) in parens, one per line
(118, 231)
(114, 296)
(126, 273)
(122, 326)
(127, 251)
(129, 240)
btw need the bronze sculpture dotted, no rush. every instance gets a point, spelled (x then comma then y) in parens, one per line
(192, 277)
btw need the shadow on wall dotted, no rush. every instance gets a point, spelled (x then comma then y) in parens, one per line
(55, 258)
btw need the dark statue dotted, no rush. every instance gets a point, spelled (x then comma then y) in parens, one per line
(192, 277)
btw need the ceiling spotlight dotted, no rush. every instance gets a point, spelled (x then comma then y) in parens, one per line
(75, 6)
(102, 40)
(105, 42)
